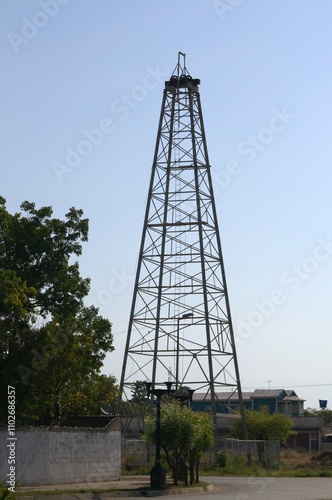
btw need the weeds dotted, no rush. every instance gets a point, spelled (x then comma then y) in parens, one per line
(5, 494)
(292, 463)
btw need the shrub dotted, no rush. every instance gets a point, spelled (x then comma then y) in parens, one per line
(222, 459)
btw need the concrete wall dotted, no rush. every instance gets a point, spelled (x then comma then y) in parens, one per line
(326, 446)
(62, 455)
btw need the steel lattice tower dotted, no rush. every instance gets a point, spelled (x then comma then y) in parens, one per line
(180, 326)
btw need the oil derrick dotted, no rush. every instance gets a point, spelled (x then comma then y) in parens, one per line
(180, 327)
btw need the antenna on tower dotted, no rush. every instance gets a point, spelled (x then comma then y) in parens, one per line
(180, 69)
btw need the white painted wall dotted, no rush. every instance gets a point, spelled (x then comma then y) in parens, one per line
(60, 456)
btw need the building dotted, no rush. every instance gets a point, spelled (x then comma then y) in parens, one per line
(278, 401)
(308, 429)
(308, 434)
(273, 401)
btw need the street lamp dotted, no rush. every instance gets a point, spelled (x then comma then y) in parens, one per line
(158, 473)
(184, 316)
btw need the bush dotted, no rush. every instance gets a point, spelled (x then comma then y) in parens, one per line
(222, 459)
(5, 493)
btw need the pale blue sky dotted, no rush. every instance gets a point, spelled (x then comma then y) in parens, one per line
(73, 66)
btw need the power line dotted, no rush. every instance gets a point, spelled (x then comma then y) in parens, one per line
(290, 385)
(313, 385)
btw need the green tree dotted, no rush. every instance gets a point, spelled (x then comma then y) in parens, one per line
(140, 402)
(185, 435)
(202, 441)
(325, 414)
(95, 391)
(262, 425)
(265, 426)
(49, 340)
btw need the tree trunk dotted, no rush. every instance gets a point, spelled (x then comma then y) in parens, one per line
(197, 471)
(175, 475)
(192, 471)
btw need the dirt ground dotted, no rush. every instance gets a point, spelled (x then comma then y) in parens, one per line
(297, 459)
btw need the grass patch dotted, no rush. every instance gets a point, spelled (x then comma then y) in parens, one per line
(139, 470)
(5, 494)
(94, 490)
(31, 493)
(305, 472)
(70, 492)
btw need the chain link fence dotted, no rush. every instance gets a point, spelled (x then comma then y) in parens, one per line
(137, 453)
(263, 452)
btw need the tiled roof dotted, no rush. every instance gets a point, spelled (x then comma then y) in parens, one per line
(267, 393)
(221, 396)
(290, 392)
(292, 398)
(246, 396)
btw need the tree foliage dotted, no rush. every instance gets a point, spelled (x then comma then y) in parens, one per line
(263, 425)
(325, 414)
(51, 344)
(95, 391)
(203, 440)
(140, 402)
(185, 436)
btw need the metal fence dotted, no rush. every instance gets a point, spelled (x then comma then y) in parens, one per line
(136, 453)
(139, 453)
(265, 452)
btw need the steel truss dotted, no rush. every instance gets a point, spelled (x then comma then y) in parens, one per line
(180, 326)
